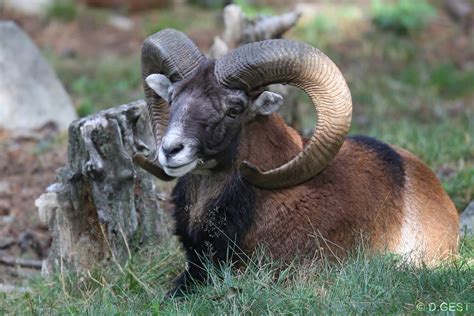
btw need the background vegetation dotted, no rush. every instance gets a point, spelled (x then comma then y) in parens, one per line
(411, 73)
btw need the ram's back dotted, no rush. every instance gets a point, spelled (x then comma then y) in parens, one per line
(372, 195)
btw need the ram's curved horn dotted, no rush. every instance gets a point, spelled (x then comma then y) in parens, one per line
(282, 61)
(173, 54)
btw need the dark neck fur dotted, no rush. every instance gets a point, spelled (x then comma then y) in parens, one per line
(214, 212)
(223, 200)
(221, 204)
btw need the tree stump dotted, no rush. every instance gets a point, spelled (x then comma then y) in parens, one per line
(103, 206)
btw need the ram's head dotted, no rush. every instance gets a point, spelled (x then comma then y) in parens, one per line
(198, 106)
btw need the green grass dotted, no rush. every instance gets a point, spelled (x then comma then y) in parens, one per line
(98, 84)
(189, 18)
(64, 10)
(358, 285)
(402, 16)
(252, 10)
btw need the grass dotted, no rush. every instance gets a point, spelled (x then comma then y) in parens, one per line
(65, 10)
(185, 19)
(96, 85)
(403, 16)
(358, 285)
(251, 10)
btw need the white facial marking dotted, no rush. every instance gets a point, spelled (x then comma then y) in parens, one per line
(181, 171)
(183, 161)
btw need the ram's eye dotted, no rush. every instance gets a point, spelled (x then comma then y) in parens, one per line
(234, 111)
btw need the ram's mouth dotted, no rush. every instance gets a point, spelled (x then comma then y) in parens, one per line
(179, 171)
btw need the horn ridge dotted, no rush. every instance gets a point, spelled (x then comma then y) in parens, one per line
(299, 64)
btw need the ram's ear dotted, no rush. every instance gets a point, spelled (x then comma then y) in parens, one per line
(266, 103)
(161, 85)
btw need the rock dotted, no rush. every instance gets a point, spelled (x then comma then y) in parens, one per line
(30, 93)
(121, 23)
(466, 220)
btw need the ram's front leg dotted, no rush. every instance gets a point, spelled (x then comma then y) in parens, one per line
(209, 250)
(195, 273)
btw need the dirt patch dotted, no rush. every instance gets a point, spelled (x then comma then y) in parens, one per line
(93, 34)
(88, 36)
(27, 166)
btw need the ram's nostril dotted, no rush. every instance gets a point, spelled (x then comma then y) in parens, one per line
(176, 149)
(172, 150)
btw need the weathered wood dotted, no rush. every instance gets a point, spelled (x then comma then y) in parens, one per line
(103, 205)
(8, 288)
(26, 263)
(462, 12)
(240, 29)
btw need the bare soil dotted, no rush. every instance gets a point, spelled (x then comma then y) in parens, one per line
(28, 162)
